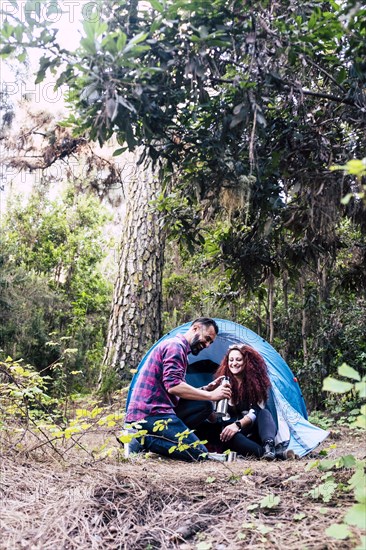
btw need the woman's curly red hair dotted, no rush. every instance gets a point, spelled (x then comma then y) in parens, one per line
(256, 383)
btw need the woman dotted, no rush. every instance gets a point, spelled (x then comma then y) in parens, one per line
(251, 429)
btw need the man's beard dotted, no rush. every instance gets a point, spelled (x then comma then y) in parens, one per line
(196, 345)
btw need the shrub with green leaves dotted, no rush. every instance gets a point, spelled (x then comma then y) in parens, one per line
(52, 281)
(23, 392)
(356, 515)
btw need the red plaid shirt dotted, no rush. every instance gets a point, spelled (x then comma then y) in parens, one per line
(165, 368)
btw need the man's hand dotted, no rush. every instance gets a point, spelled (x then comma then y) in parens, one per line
(222, 392)
(196, 394)
(214, 384)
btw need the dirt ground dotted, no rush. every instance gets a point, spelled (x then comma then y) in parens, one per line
(147, 503)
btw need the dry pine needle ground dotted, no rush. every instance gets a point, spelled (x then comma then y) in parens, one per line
(152, 503)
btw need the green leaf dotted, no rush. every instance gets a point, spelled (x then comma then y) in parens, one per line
(263, 529)
(136, 40)
(44, 64)
(121, 41)
(348, 372)
(22, 57)
(6, 50)
(324, 491)
(299, 517)
(156, 5)
(356, 167)
(345, 200)
(249, 525)
(119, 151)
(336, 386)
(356, 515)
(312, 465)
(210, 479)
(338, 531)
(360, 492)
(361, 389)
(7, 30)
(326, 465)
(358, 477)
(270, 501)
(360, 422)
(204, 545)
(347, 461)
(101, 28)
(95, 28)
(89, 45)
(341, 75)
(136, 50)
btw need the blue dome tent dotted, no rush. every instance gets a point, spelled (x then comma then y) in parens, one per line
(286, 401)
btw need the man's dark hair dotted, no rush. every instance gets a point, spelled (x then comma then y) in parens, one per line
(207, 322)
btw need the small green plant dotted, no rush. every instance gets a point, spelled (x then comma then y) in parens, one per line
(135, 431)
(210, 479)
(268, 502)
(31, 419)
(299, 517)
(320, 419)
(204, 545)
(326, 490)
(84, 420)
(357, 387)
(356, 515)
(23, 393)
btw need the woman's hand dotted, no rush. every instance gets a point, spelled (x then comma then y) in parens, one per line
(228, 432)
(214, 384)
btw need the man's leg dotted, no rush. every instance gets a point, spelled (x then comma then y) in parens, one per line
(161, 441)
(193, 413)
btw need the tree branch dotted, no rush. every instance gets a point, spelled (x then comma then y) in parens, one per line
(322, 95)
(297, 89)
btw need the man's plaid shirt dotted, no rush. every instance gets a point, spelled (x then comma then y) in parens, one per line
(165, 368)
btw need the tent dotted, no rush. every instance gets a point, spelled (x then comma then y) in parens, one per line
(285, 402)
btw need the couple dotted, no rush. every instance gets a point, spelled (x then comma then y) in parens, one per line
(161, 398)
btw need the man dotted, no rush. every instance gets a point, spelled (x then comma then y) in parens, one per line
(161, 383)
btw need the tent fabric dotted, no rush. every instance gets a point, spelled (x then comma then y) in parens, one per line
(286, 396)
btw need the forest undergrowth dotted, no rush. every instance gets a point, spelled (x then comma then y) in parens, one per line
(74, 489)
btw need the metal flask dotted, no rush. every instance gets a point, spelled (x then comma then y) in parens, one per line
(222, 405)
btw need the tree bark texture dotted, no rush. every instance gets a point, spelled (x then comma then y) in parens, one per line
(135, 320)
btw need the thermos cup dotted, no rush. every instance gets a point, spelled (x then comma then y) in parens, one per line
(222, 405)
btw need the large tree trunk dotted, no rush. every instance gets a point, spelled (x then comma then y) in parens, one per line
(135, 320)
